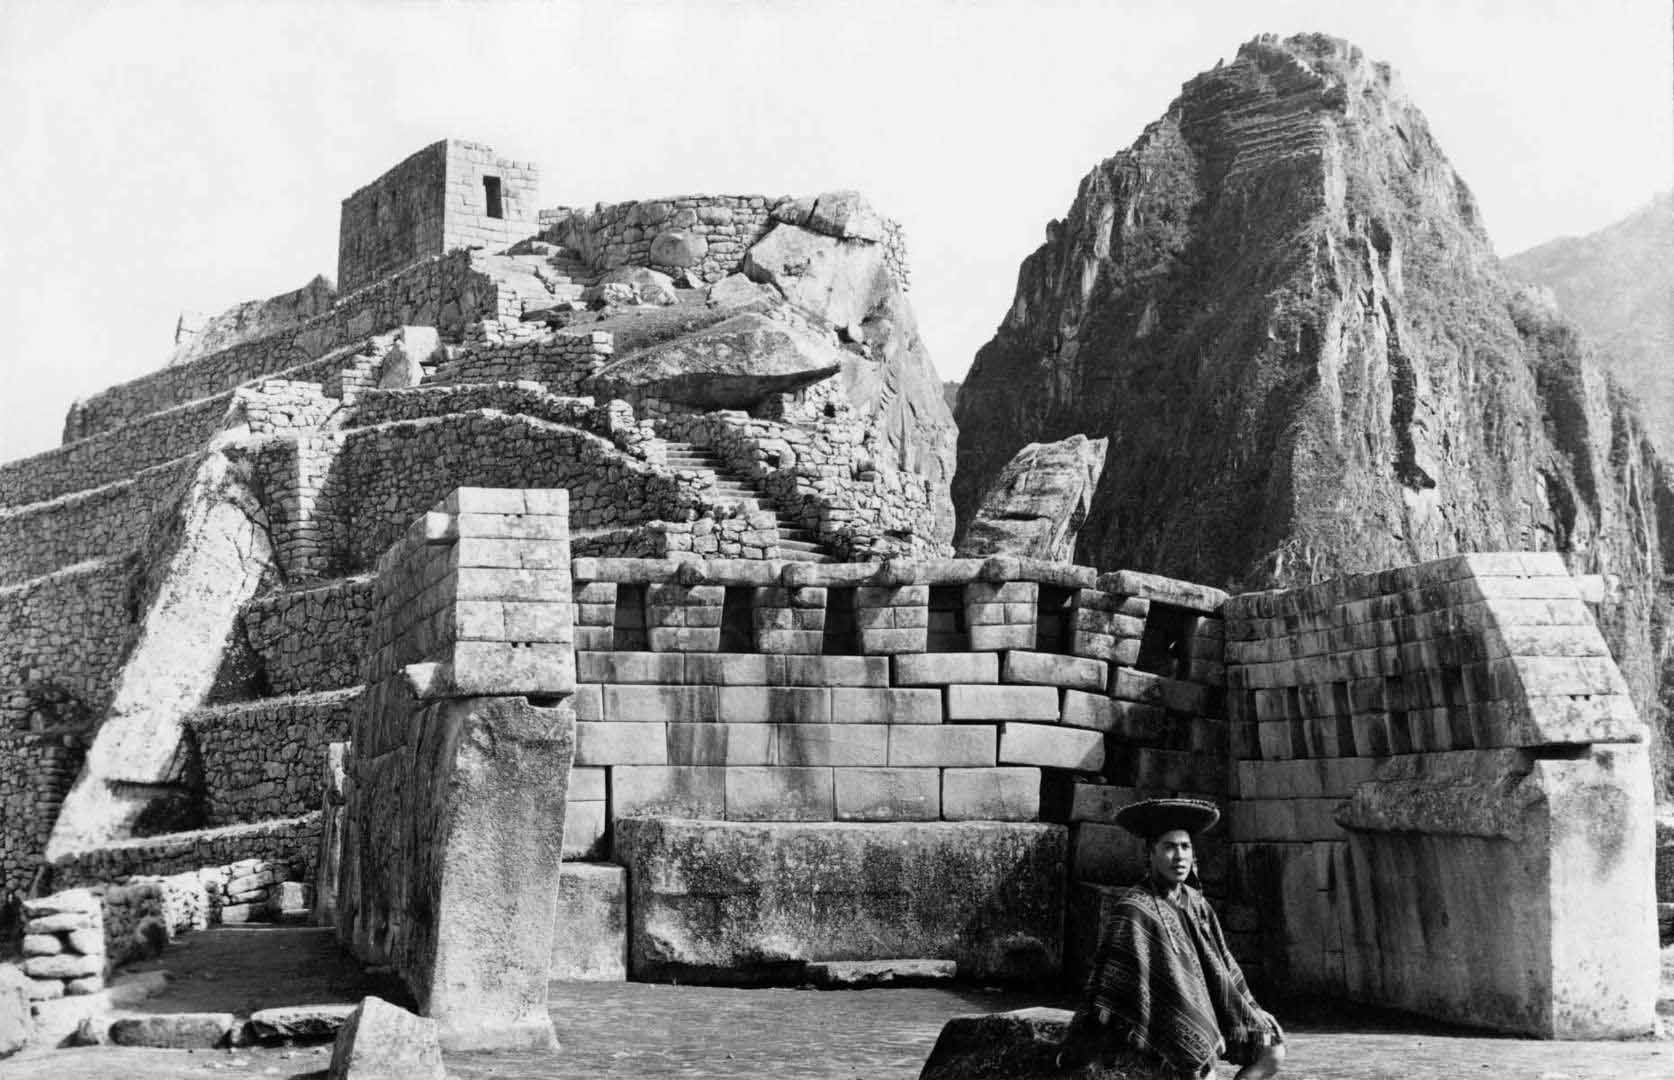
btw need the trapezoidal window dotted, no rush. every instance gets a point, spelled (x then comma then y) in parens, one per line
(1162, 648)
(738, 619)
(1055, 621)
(628, 633)
(948, 632)
(491, 190)
(842, 630)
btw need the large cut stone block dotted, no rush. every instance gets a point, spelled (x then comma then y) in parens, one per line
(590, 941)
(734, 900)
(832, 744)
(691, 791)
(968, 702)
(1052, 669)
(969, 745)
(779, 793)
(943, 669)
(774, 704)
(1505, 886)
(871, 705)
(661, 704)
(864, 794)
(622, 744)
(721, 744)
(1051, 747)
(999, 794)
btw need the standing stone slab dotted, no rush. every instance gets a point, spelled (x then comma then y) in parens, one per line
(591, 942)
(735, 900)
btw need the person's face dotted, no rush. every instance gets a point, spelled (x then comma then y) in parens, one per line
(1171, 856)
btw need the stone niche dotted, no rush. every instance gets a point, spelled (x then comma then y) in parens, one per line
(452, 194)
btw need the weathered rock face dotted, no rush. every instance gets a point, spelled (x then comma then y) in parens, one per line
(827, 255)
(1618, 286)
(197, 336)
(1036, 506)
(1281, 307)
(731, 365)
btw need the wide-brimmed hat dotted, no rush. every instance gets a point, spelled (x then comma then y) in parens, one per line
(1153, 817)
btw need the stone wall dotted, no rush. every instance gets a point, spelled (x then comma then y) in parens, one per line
(560, 360)
(69, 633)
(433, 202)
(311, 638)
(36, 769)
(454, 816)
(1442, 782)
(64, 945)
(703, 237)
(261, 759)
(106, 521)
(292, 843)
(448, 292)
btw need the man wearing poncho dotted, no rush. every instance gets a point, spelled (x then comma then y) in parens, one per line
(1164, 985)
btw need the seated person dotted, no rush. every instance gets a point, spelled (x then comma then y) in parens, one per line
(1163, 984)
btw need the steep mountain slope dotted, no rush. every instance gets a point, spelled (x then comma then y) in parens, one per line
(1282, 309)
(1618, 286)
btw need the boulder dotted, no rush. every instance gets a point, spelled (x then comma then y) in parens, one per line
(1036, 505)
(649, 286)
(757, 901)
(678, 248)
(1026, 1044)
(731, 365)
(414, 347)
(380, 1041)
(839, 280)
(735, 289)
(846, 215)
(16, 1025)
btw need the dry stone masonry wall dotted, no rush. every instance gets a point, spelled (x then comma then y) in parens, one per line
(261, 759)
(67, 633)
(311, 638)
(36, 769)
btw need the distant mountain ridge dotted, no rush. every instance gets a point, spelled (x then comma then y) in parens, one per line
(1617, 285)
(1281, 307)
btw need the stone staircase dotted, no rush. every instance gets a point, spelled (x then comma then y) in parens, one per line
(796, 544)
(542, 280)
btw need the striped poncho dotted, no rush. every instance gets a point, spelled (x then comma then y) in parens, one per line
(1166, 978)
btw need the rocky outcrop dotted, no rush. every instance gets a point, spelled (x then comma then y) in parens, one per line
(197, 336)
(829, 256)
(731, 365)
(1037, 505)
(1281, 307)
(1618, 286)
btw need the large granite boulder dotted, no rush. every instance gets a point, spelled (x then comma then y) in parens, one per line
(731, 365)
(1035, 508)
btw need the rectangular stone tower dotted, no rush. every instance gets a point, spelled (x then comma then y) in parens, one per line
(451, 194)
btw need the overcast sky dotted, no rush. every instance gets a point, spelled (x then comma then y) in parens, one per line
(168, 156)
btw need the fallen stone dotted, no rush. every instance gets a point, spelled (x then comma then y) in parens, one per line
(1022, 1045)
(16, 1023)
(614, 294)
(860, 974)
(1035, 507)
(649, 286)
(299, 1023)
(380, 1041)
(174, 1031)
(735, 289)
(678, 248)
(731, 365)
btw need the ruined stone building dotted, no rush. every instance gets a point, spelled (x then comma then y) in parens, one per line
(574, 597)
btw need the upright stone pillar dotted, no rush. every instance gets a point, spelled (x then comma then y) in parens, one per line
(454, 819)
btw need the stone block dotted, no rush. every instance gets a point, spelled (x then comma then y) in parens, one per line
(865, 974)
(721, 744)
(661, 704)
(1178, 770)
(1051, 747)
(588, 703)
(1054, 669)
(495, 669)
(61, 922)
(584, 829)
(988, 702)
(886, 794)
(1099, 802)
(997, 794)
(687, 791)
(684, 639)
(1158, 589)
(773, 704)
(591, 940)
(174, 1031)
(298, 1023)
(738, 900)
(624, 668)
(1105, 854)
(63, 966)
(381, 1041)
(780, 793)
(831, 744)
(621, 744)
(889, 641)
(791, 642)
(965, 745)
(1024, 1043)
(43, 944)
(944, 669)
(728, 669)
(1001, 637)
(587, 784)
(832, 671)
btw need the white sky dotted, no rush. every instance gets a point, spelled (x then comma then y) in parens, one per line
(163, 156)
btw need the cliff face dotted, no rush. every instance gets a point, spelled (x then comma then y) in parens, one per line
(1282, 309)
(1618, 286)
